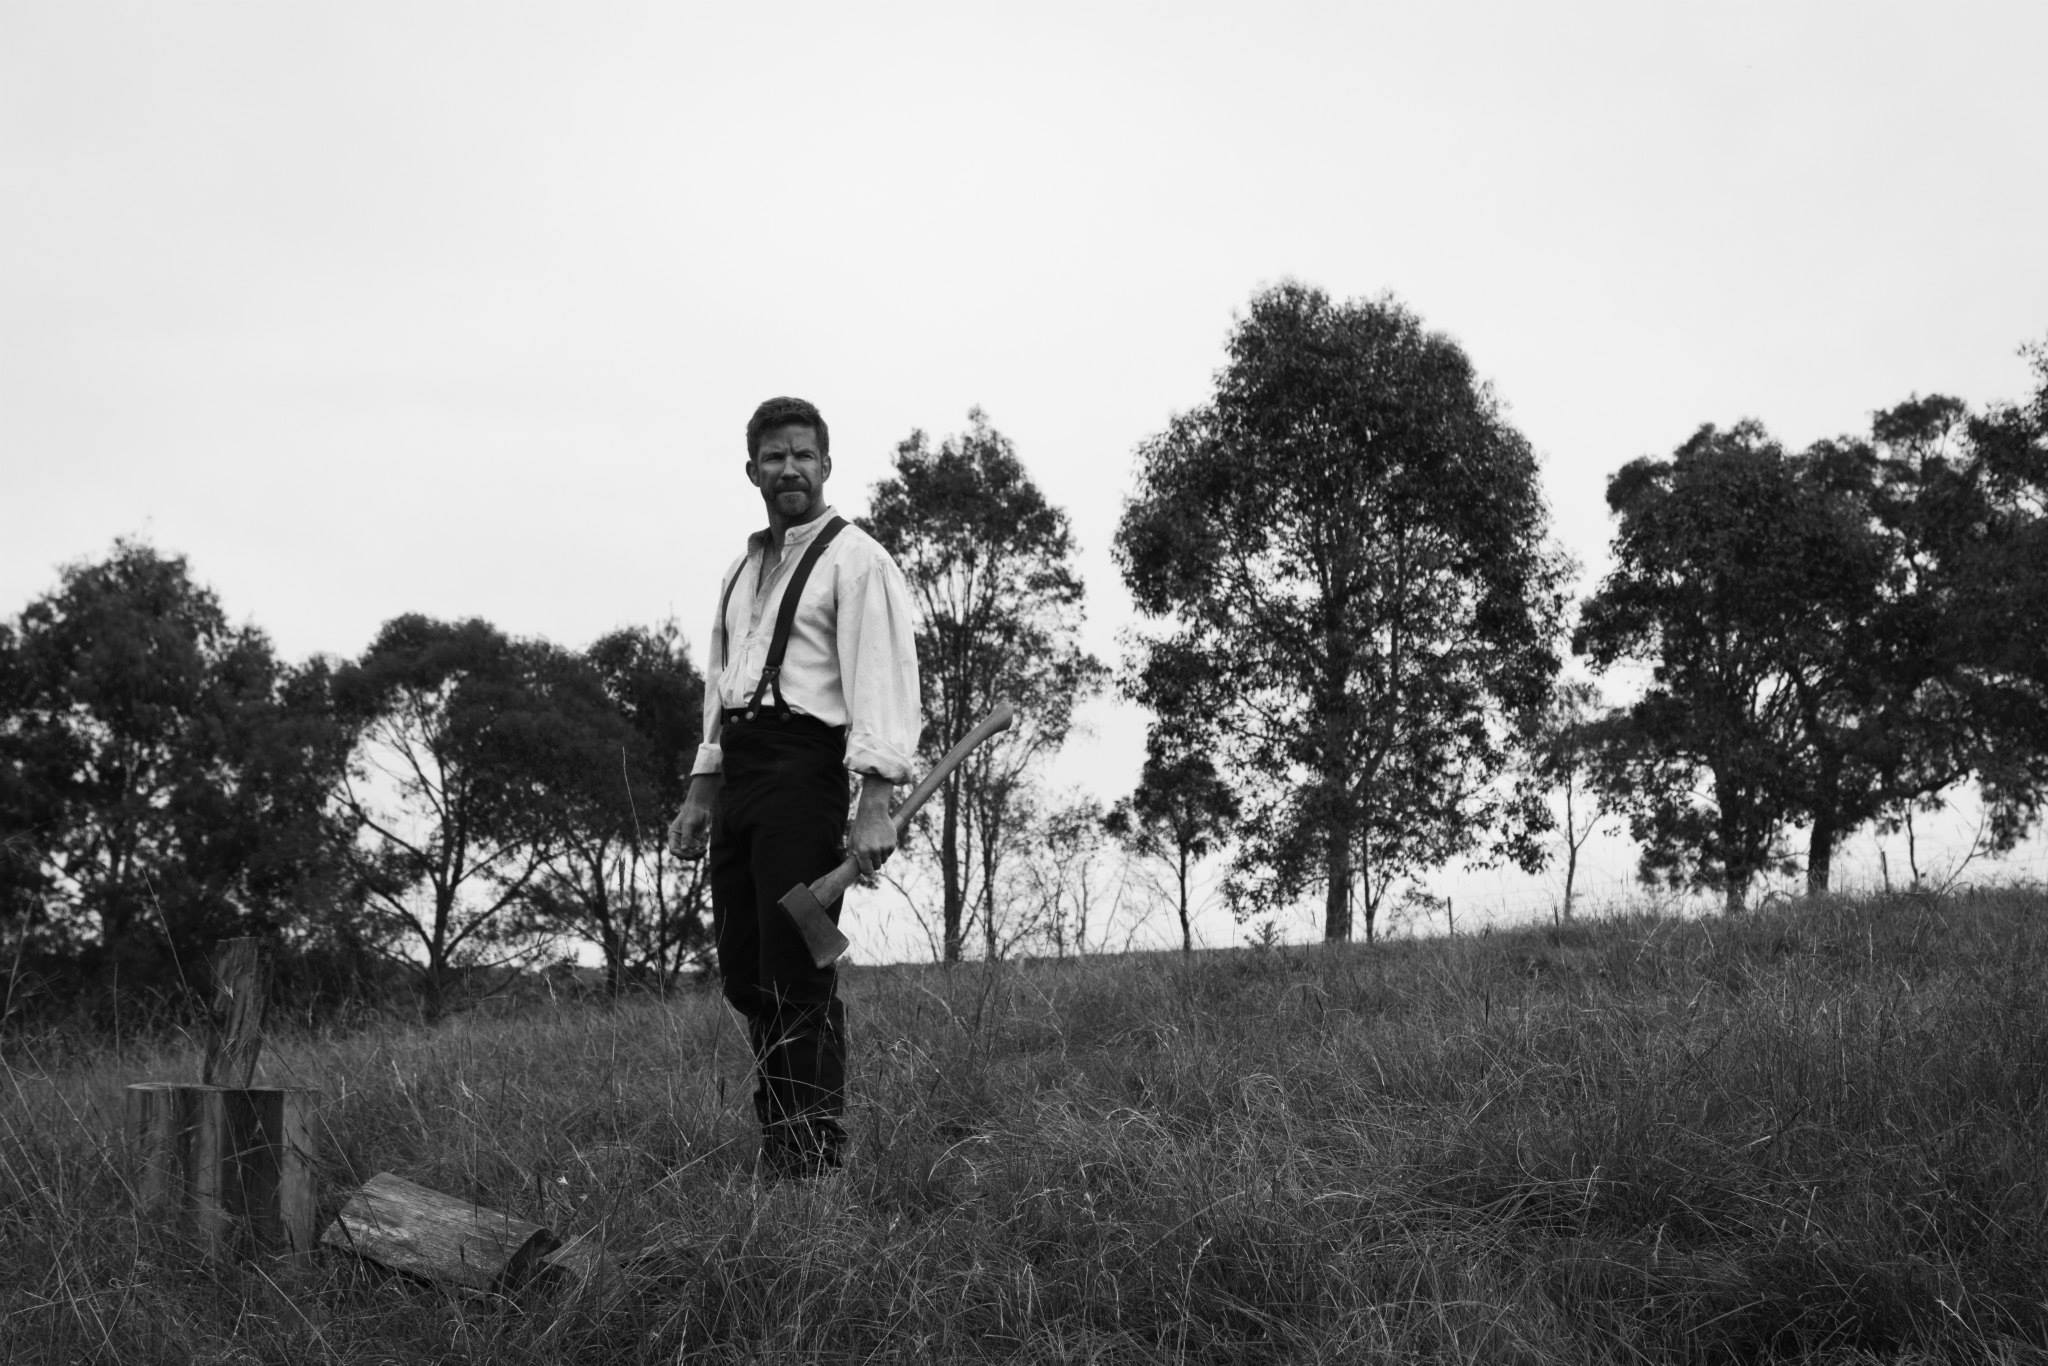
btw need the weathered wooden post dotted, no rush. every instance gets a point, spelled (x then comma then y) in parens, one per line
(230, 1162)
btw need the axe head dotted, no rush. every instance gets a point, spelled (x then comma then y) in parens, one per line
(821, 936)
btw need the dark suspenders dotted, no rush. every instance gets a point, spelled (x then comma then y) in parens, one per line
(785, 619)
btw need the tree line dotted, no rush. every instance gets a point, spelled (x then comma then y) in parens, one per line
(166, 781)
(1353, 643)
(456, 796)
(1358, 614)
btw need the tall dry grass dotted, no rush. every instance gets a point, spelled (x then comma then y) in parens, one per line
(1819, 1133)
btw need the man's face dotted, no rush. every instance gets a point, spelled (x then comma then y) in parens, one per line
(791, 473)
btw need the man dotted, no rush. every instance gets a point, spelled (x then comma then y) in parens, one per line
(808, 680)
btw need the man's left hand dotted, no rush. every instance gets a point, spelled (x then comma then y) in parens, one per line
(873, 836)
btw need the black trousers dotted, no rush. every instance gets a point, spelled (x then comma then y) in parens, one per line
(781, 820)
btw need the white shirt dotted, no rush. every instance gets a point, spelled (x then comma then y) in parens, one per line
(852, 656)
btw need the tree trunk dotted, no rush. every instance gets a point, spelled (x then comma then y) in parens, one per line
(1335, 778)
(1912, 850)
(949, 866)
(1337, 901)
(988, 888)
(1571, 850)
(439, 971)
(1744, 853)
(1367, 897)
(1820, 851)
(614, 944)
(1187, 934)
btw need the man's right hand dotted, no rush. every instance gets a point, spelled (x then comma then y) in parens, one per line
(690, 831)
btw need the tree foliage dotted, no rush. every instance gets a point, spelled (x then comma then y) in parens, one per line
(1752, 582)
(990, 564)
(1564, 748)
(161, 773)
(1972, 506)
(607, 873)
(1064, 897)
(469, 749)
(1181, 812)
(1346, 547)
(1835, 636)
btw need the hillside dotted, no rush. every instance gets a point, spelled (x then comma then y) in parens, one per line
(1818, 1133)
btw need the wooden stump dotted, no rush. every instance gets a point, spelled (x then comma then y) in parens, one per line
(230, 1162)
(413, 1229)
(232, 1165)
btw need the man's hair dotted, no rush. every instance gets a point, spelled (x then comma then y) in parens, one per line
(777, 413)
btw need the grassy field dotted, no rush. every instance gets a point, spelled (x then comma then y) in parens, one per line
(1818, 1133)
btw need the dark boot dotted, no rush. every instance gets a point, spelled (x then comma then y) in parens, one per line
(803, 1072)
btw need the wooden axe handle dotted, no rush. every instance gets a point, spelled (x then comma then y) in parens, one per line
(836, 882)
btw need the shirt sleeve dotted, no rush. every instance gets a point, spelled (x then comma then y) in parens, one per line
(877, 641)
(710, 757)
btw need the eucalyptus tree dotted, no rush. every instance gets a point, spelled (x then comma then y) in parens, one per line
(1346, 554)
(989, 562)
(1060, 888)
(1180, 812)
(1837, 636)
(466, 742)
(162, 774)
(1750, 581)
(1967, 496)
(1563, 751)
(607, 872)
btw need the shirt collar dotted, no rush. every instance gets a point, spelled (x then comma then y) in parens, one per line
(796, 535)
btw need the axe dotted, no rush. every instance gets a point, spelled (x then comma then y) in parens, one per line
(806, 904)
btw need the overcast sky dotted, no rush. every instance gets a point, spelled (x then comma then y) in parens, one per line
(370, 308)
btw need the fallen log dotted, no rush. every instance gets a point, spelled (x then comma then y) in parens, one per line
(410, 1228)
